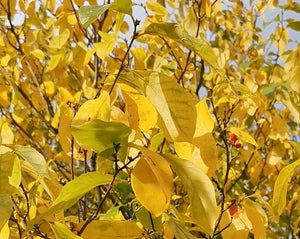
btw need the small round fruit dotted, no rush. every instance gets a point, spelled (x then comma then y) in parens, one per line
(237, 144)
(233, 137)
(234, 211)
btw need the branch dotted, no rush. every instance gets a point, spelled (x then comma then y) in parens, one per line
(136, 23)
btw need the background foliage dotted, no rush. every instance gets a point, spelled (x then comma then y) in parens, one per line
(182, 125)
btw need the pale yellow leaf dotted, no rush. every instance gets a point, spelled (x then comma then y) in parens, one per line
(204, 123)
(94, 109)
(201, 192)
(238, 229)
(105, 47)
(155, 172)
(175, 106)
(281, 187)
(10, 173)
(54, 61)
(156, 8)
(244, 136)
(7, 136)
(258, 218)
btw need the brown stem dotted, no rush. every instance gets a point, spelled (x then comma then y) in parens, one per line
(136, 23)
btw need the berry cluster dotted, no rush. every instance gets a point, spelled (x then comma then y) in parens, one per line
(235, 141)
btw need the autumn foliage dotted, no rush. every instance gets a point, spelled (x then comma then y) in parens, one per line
(180, 125)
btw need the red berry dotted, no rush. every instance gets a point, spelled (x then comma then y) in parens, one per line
(233, 137)
(238, 144)
(234, 211)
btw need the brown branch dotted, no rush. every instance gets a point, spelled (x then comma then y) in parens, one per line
(134, 36)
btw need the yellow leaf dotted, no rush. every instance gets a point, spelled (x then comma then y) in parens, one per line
(112, 229)
(4, 98)
(7, 136)
(238, 229)
(5, 210)
(93, 109)
(57, 42)
(54, 61)
(62, 231)
(279, 129)
(64, 129)
(190, 22)
(152, 175)
(72, 19)
(204, 123)
(49, 88)
(242, 135)
(105, 47)
(142, 113)
(281, 186)
(38, 54)
(132, 111)
(156, 8)
(4, 60)
(65, 95)
(184, 150)
(4, 232)
(258, 218)
(175, 106)
(37, 100)
(10, 173)
(208, 152)
(79, 53)
(201, 192)
(205, 7)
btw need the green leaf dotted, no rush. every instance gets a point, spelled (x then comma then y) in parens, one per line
(294, 25)
(198, 46)
(268, 90)
(178, 229)
(62, 231)
(203, 206)
(176, 107)
(5, 209)
(241, 90)
(89, 14)
(10, 173)
(72, 192)
(281, 186)
(145, 219)
(122, 6)
(32, 156)
(102, 136)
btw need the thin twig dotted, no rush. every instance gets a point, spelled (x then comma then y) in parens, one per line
(134, 36)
